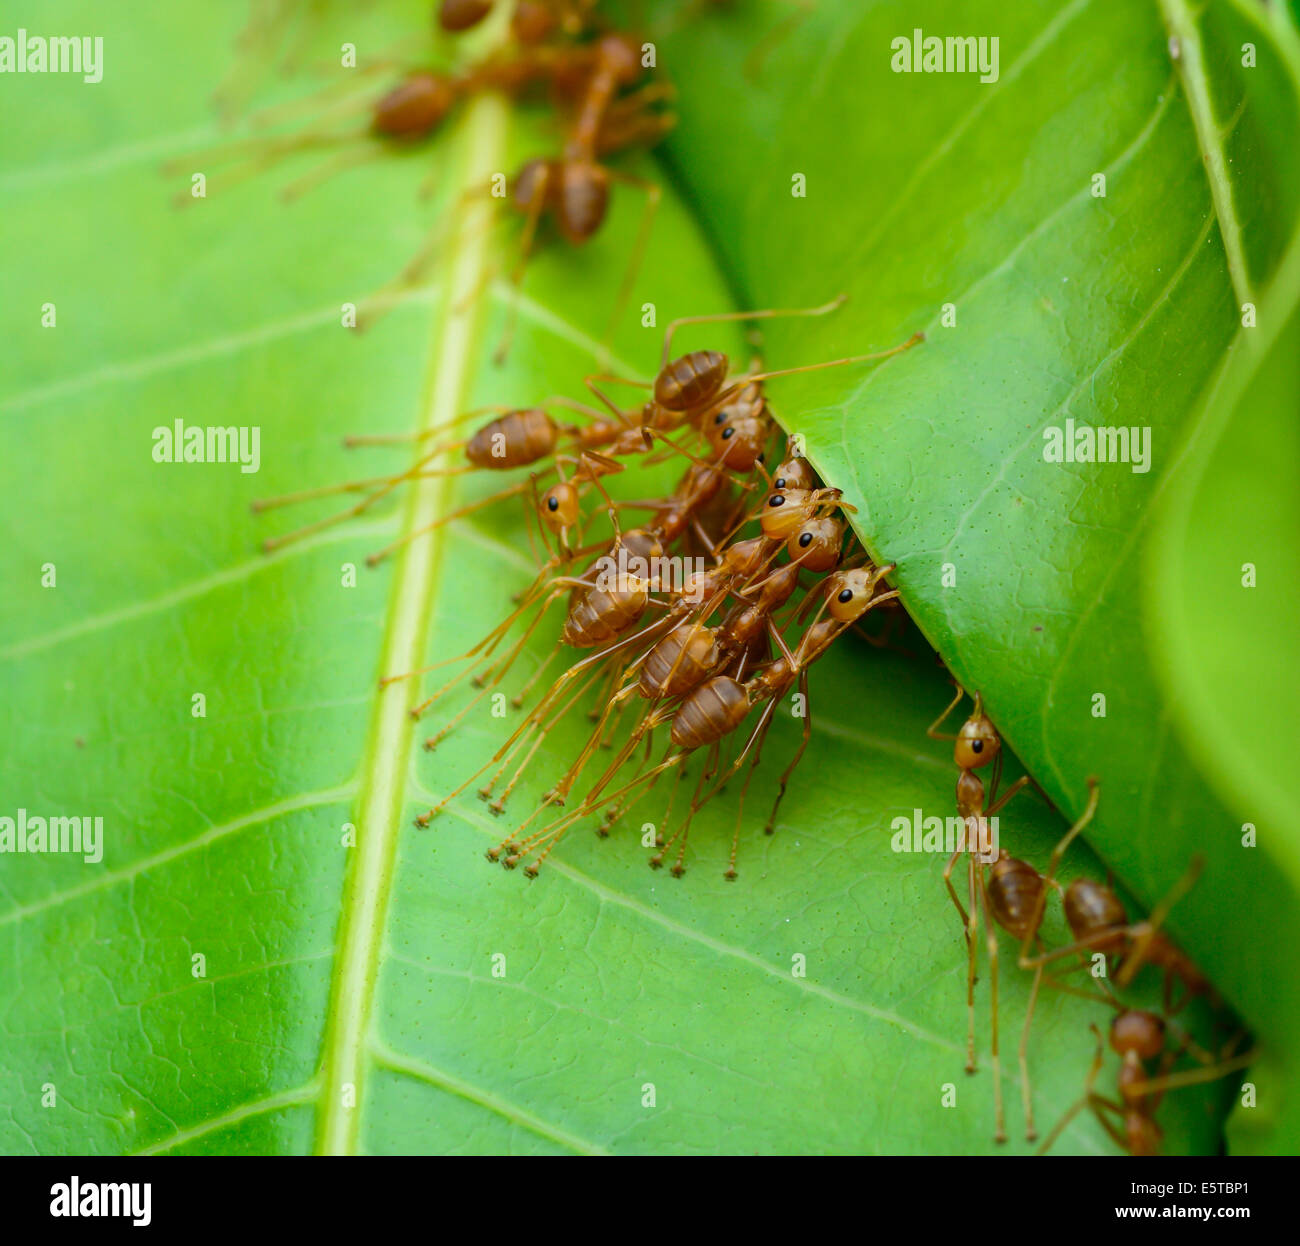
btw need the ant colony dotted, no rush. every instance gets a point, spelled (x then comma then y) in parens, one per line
(688, 618)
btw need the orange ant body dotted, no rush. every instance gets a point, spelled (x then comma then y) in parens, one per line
(977, 745)
(1138, 1037)
(713, 710)
(524, 437)
(1100, 924)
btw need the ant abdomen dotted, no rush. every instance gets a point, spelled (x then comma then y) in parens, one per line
(679, 662)
(413, 107)
(713, 710)
(691, 380)
(457, 15)
(1015, 891)
(601, 615)
(581, 200)
(1090, 909)
(516, 439)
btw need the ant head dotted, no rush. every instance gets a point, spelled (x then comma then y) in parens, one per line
(794, 474)
(737, 443)
(1142, 1033)
(849, 593)
(978, 742)
(559, 507)
(785, 512)
(817, 543)
(582, 201)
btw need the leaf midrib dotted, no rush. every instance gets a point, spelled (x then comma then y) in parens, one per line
(1181, 24)
(481, 136)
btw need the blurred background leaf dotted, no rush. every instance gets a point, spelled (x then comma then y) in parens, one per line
(927, 192)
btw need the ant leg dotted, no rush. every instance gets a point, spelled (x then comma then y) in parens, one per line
(597, 465)
(482, 650)
(1026, 1094)
(522, 695)
(497, 674)
(403, 439)
(735, 387)
(991, 941)
(619, 414)
(952, 892)
(337, 98)
(264, 154)
(684, 832)
(260, 505)
(1144, 932)
(1194, 1077)
(498, 805)
(755, 741)
(730, 872)
(533, 215)
(400, 287)
(338, 163)
(799, 752)
(933, 729)
(628, 121)
(653, 196)
(767, 313)
(753, 63)
(557, 828)
(1085, 1100)
(972, 935)
(1049, 879)
(418, 472)
(998, 805)
(379, 555)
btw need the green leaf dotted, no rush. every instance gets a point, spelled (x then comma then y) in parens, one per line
(328, 967)
(932, 190)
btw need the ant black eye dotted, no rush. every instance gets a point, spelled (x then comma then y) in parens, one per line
(846, 594)
(552, 504)
(780, 484)
(776, 500)
(728, 433)
(977, 746)
(805, 539)
(720, 418)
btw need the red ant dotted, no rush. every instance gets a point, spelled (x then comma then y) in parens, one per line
(1139, 1037)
